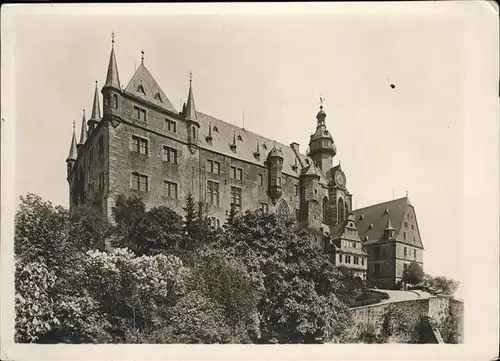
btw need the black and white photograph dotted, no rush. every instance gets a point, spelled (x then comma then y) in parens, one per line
(238, 174)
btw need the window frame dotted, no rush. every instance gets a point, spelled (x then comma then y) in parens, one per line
(213, 191)
(139, 143)
(168, 186)
(236, 197)
(169, 154)
(138, 111)
(139, 176)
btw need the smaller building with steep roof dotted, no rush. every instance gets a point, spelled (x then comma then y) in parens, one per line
(390, 235)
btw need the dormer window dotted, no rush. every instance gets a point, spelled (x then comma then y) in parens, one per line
(386, 211)
(239, 138)
(361, 217)
(264, 146)
(215, 129)
(140, 89)
(370, 226)
(158, 97)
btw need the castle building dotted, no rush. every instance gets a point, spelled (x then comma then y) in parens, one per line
(391, 237)
(142, 145)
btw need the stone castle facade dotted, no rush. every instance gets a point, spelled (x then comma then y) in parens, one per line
(142, 145)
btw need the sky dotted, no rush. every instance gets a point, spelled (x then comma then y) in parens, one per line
(390, 140)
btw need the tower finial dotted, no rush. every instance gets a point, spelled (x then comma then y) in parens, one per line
(321, 100)
(406, 194)
(142, 56)
(190, 76)
(74, 125)
(113, 38)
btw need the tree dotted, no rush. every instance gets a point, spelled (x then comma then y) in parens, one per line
(89, 227)
(197, 319)
(159, 230)
(295, 279)
(42, 234)
(413, 274)
(35, 314)
(190, 216)
(352, 288)
(225, 280)
(441, 284)
(127, 214)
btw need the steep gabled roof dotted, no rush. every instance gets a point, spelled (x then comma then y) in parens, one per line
(144, 86)
(378, 216)
(223, 133)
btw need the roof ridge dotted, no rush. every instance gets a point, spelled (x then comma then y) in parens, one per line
(379, 204)
(248, 131)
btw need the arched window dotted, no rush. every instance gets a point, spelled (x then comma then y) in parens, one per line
(340, 211)
(193, 130)
(282, 208)
(325, 210)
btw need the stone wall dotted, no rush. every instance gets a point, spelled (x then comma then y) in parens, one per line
(415, 321)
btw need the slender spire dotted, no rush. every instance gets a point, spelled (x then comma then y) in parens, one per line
(388, 225)
(112, 78)
(190, 112)
(83, 133)
(73, 152)
(96, 108)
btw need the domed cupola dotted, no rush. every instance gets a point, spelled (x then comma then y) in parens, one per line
(321, 145)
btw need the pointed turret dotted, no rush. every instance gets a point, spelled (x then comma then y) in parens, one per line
(73, 153)
(275, 167)
(83, 132)
(389, 230)
(112, 78)
(190, 111)
(96, 111)
(388, 225)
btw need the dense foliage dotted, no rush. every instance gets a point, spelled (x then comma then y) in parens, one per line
(154, 276)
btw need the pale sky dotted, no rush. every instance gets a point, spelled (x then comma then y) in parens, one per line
(389, 141)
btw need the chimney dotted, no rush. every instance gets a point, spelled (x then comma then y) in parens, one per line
(295, 147)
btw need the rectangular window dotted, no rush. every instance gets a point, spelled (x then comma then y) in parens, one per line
(236, 173)
(101, 180)
(406, 224)
(139, 182)
(213, 167)
(296, 190)
(405, 252)
(261, 179)
(347, 259)
(356, 261)
(405, 266)
(170, 189)
(169, 155)
(414, 253)
(377, 269)
(236, 197)
(139, 113)
(404, 236)
(101, 147)
(264, 207)
(340, 258)
(140, 145)
(362, 261)
(412, 227)
(213, 192)
(170, 125)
